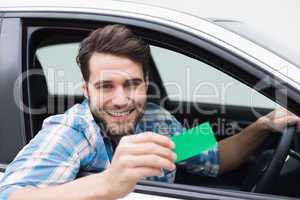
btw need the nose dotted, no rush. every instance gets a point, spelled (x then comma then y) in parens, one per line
(120, 98)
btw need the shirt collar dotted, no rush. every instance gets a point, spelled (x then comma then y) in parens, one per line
(89, 116)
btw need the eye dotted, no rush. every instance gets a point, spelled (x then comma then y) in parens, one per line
(133, 84)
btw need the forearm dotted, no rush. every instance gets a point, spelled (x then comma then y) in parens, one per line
(79, 189)
(236, 150)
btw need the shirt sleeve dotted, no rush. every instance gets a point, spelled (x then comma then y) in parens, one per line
(50, 158)
(5, 191)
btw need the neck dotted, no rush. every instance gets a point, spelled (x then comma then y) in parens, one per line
(116, 138)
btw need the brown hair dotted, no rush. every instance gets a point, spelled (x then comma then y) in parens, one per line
(116, 40)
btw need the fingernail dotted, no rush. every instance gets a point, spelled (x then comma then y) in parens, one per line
(174, 156)
(172, 167)
(173, 145)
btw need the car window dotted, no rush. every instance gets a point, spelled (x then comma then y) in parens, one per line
(60, 68)
(194, 81)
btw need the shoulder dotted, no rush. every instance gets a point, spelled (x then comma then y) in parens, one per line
(77, 117)
(159, 120)
(74, 131)
(77, 123)
(153, 110)
(62, 128)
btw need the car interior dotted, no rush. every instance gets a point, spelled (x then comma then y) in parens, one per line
(42, 103)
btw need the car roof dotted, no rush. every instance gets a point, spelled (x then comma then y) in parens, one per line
(183, 21)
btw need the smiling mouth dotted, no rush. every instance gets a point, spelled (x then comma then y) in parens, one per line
(118, 113)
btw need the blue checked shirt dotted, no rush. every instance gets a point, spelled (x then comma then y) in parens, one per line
(73, 142)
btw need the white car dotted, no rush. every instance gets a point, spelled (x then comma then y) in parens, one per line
(203, 70)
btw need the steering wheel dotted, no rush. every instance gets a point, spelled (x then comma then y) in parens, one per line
(267, 170)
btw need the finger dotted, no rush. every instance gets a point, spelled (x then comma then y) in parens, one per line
(289, 120)
(147, 148)
(143, 172)
(152, 161)
(279, 113)
(150, 137)
(294, 120)
(281, 123)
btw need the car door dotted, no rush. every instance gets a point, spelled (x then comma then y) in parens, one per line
(49, 36)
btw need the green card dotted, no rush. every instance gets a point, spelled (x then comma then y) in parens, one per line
(194, 141)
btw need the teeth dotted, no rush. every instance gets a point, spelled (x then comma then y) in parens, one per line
(118, 114)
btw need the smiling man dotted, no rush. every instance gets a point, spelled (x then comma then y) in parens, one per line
(116, 133)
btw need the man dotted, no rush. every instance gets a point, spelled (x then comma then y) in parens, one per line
(116, 133)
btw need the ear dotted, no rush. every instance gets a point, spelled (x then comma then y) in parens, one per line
(85, 89)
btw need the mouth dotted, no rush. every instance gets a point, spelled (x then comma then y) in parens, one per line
(119, 113)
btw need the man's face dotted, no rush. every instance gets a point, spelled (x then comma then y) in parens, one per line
(117, 92)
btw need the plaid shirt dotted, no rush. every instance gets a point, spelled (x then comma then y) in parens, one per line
(73, 142)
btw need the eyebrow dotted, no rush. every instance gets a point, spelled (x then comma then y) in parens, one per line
(102, 83)
(133, 80)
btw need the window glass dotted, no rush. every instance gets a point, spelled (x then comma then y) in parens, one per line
(62, 73)
(188, 79)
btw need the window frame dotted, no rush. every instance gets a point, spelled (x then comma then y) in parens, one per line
(10, 67)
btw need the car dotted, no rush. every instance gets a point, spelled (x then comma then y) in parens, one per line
(202, 69)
